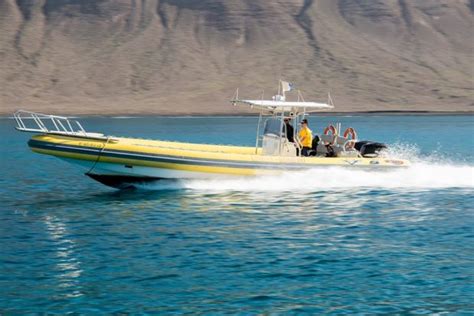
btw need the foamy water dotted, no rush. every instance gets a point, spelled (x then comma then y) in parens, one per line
(418, 176)
(432, 171)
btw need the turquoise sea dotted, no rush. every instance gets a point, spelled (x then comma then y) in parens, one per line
(327, 241)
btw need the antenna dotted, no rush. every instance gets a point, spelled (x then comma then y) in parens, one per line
(235, 97)
(300, 95)
(330, 100)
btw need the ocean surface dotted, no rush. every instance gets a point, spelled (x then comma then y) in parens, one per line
(327, 241)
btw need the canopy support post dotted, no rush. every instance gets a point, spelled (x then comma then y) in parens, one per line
(258, 131)
(282, 131)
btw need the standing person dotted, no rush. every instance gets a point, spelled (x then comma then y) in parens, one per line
(305, 138)
(290, 131)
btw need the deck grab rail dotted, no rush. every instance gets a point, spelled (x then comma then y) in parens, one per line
(50, 124)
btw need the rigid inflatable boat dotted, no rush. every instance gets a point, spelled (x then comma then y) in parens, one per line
(124, 162)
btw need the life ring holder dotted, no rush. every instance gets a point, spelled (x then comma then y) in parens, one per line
(350, 143)
(332, 129)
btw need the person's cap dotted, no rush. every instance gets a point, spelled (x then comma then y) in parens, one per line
(304, 121)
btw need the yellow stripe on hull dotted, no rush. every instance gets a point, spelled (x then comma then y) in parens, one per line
(65, 154)
(190, 168)
(152, 164)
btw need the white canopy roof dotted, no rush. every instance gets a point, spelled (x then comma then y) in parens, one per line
(283, 106)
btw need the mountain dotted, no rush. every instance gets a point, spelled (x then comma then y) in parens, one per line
(189, 56)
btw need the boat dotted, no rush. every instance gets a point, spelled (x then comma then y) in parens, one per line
(122, 162)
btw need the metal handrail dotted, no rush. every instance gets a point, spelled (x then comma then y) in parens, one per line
(50, 124)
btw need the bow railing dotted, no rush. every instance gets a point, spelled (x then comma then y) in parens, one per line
(33, 122)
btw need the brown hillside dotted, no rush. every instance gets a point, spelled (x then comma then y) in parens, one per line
(188, 56)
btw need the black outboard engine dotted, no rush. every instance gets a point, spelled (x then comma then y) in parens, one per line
(369, 149)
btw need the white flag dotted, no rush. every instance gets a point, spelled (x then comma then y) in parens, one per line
(286, 86)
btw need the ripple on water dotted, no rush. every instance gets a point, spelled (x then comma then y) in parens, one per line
(318, 243)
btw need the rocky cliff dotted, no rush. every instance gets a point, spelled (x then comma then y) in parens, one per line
(188, 56)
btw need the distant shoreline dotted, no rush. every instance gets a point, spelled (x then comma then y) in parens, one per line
(358, 113)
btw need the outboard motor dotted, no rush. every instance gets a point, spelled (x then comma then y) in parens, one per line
(369, 149)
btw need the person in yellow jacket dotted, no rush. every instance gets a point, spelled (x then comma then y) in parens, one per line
(305, 138)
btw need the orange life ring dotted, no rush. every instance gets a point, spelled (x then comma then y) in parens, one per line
(328, 129)
(351, 143)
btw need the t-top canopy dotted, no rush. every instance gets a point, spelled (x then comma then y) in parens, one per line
(284, 106)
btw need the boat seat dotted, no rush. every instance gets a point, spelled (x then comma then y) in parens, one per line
(339, 151)
(341, 140)
(321, 149)
(348, 153)
(326, 138)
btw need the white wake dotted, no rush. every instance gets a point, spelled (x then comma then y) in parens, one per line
(419, 175)
(428, 172)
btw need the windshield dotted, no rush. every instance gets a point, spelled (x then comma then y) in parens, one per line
(273, 126)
